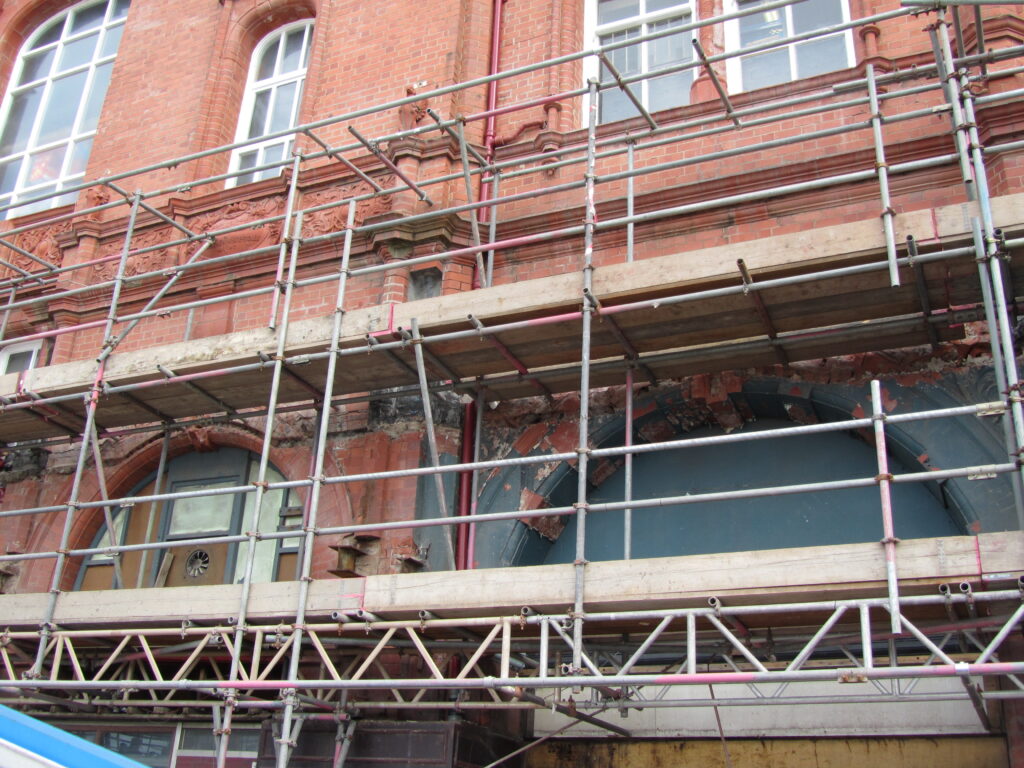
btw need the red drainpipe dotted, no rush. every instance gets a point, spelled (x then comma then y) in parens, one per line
(464, 545)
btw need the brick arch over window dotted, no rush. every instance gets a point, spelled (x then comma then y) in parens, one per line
(239, 34)
(292, 461)
(19, 27)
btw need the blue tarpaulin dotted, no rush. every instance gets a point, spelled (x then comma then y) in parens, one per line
(28, 743)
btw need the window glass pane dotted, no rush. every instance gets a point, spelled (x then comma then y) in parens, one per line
(292, 59)
(111, 39)
(88, 18)
(104, 541)
(615, 105)
(815, 14)
(271, 154)
(284, 104)
(45, 166)
(268, 61)
(668, 91)
(246, 160)
(77, 53)
(49, 35)
(270, 512)
(765, 69)
(62, 104)
(19, 120)
(666, 51)
(627, 59)
(816, 57)
(37, 65)
(120, 9)
(662, 5)
(79, 157)
(19, 361)
(147, 747)
(616, 10)
(100, 81)
(202, 514)
(9, 175)
(761, 27)
(260, 107)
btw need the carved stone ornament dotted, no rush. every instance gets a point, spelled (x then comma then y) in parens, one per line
(139, 263)
(260, 235)
(44, 243)
(333, 219)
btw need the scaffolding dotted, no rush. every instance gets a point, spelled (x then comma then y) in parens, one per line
(318, 659)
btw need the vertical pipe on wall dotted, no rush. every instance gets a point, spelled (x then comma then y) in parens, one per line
(490, 128)
(466, 486)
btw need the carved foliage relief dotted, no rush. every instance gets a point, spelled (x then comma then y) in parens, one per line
(333, 219)
(138, 263)
(260, 235)
(43, 243)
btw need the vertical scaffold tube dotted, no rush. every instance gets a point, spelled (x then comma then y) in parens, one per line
(309, 525)
(289, 207)
(884, 480)
(435, 457)
(627, 513)
(988, 255)
(251, 526)
(583, 446)
(91, 404)
(882, 168)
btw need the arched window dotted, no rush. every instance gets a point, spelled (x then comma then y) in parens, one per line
(273, 94)
(53, 103)
(200, 517)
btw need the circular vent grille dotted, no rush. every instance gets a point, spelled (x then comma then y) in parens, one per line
(197, 563)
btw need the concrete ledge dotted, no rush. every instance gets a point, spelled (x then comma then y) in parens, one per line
(761, 577)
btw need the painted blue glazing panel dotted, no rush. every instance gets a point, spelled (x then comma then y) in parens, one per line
(768, 522)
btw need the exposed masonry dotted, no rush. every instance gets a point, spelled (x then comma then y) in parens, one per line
(839, 246)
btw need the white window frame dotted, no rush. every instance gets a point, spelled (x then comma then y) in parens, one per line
(78, 143)
(35, 347)
(593, 33)
(253, 86)
(733, 65)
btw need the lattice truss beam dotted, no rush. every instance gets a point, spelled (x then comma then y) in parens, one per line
(630, 660)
